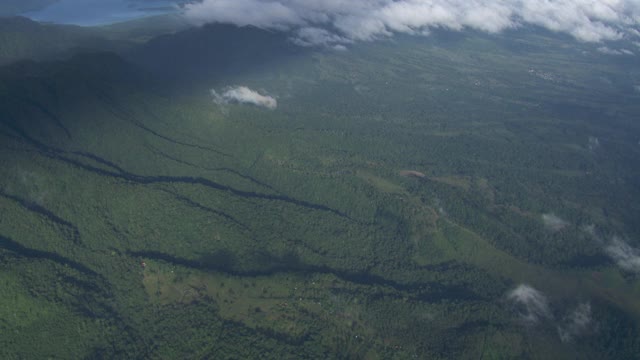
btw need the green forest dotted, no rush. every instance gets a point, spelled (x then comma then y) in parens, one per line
(457, 196)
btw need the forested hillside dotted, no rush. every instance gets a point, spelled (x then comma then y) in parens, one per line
(456, 196)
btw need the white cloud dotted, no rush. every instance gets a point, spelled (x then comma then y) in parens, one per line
(553, 222)
(534, 303)
(244, 95)
(534, 307)
(576, 324)
(627, 257)
(344, 21)
(268, 14)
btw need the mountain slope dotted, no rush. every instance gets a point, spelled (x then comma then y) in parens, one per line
(211, 52)
(24, 39)
(21, 39)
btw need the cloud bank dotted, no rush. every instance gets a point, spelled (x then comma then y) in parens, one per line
(244, 95)
(333, 22)
(534, 303)
(627, 257)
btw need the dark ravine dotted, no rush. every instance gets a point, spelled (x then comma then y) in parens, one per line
(98, 160)
(59, 155)
(166, 138)
(55, 119)
(424, 291)
(126, 118)
(201, 207)
(11, 245)
(93, 300)
(46, 213)
(222, 169)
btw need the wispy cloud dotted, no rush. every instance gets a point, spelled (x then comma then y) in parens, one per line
(534, 304)
(553, 222)
(576, 324)
(340, 21)
(534, 307)
(626, 256)
(244, 95)
(609, 51)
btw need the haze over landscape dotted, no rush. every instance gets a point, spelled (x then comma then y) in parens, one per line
(294, 179)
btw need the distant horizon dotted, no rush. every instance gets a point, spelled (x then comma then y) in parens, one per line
(612, 28)
(99, 12)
